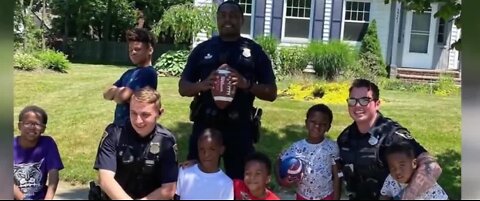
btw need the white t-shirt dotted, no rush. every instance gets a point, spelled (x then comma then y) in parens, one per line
(392, 188)
(193, 184)
(317, 159)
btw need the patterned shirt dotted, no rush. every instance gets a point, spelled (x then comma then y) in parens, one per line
(317, 159)
(393, 188)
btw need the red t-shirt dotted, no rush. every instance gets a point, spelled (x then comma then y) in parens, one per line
(242, 193)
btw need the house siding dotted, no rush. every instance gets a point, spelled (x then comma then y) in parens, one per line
(268, 17)
(453, 54)
(381, 13)
(327, 19)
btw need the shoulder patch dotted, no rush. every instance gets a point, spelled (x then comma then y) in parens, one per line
(105, 134)
(175, 149)
(404, 133)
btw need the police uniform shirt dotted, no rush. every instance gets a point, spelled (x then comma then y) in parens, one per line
(114, 142)
(365, 151)
(244, 55)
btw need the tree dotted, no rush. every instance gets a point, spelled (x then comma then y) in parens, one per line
(449, 10)
(371, 52)
(185, 21)
(27, 33)
(153, 10)
(88, 19)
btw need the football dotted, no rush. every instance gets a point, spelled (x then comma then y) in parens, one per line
(223, 91)
(292, 167)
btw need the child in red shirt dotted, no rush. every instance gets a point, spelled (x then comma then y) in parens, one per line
(256, 178)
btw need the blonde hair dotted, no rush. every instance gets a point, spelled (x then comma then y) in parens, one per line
(147, 95)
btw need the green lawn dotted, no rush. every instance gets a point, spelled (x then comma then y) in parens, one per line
(78, 114)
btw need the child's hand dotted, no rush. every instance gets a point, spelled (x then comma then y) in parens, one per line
(290, 181)
(188, 163)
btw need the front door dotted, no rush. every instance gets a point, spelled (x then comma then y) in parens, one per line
(419, 39)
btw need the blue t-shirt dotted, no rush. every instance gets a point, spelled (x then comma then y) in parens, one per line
(134, 79)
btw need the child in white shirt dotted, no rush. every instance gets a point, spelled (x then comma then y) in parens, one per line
(205, 180)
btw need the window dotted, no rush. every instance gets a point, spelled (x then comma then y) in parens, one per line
(247, 16)
(297, 19)
(357, 17)
(441, 32)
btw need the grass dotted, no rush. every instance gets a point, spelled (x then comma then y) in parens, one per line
(78, 114)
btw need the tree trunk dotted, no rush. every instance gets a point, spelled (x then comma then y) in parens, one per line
(44, 10)
(65, 34)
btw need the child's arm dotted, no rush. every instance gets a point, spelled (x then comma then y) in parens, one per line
(285, 182)
(109, 94)
(122, 95)
(337, 189)
(52, 184)
(17, 193)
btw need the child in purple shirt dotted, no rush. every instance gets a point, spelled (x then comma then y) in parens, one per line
(35, 157)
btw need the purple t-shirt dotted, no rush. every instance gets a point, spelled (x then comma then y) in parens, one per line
(31, 166)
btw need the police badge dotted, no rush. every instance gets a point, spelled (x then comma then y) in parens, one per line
(373, 140)
(154, 148)
(246, 52)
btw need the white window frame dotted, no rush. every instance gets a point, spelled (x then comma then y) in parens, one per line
(354, 43)
(310, 24)
(252, 19)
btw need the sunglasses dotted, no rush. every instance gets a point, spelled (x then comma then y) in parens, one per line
(364, 101)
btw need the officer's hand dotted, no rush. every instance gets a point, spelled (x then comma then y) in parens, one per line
(238, 80)
(188, 163)
(209, 83)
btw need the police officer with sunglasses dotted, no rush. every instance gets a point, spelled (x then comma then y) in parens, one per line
(362, 145)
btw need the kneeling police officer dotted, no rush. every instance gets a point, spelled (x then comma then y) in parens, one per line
(139, 160)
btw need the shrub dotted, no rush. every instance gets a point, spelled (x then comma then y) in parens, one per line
(446, 86)
(400, 85)
(291, 60)
(331, 59)
(54, 60)
(24, 61)
(269, 45)
(172, 63)
(371, 53)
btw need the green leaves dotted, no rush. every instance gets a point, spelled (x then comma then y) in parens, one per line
(172, 63)
(185, 21)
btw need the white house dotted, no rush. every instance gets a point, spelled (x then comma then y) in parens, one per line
(408, 39)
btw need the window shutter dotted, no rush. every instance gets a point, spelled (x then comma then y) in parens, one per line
(277, 17)
(337, 17)
(259, 20)
(319, 12)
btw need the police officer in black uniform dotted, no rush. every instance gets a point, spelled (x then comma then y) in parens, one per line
(252, 75)
(139, 160)
(363, 142)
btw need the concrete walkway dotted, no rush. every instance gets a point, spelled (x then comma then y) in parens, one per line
(66, 191)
